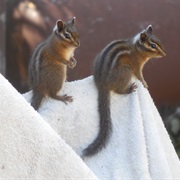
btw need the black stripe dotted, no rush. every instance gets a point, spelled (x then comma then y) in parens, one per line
(144, 48)
(32, 66)
(38, 48)
(100, 61)
(106, 50)
(116, 52)
(75, 38)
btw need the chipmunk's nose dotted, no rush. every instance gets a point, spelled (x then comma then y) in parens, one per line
(78, 43)
(163, 53)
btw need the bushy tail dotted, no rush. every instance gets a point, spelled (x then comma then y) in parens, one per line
(37, 99)
(105, 124)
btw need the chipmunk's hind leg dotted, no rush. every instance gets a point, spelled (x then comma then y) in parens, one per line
(129, 89)
(120, 80)
(64, 98)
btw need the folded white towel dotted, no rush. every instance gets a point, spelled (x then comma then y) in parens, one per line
(29, 147)
(139, 147)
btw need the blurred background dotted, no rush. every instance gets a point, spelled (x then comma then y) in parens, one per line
(25, 23)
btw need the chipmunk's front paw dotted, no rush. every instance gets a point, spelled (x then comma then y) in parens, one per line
(133, 87)
(145, 84)
(72, 63)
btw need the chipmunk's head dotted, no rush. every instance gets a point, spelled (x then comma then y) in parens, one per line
(67, 32)
(149, 44)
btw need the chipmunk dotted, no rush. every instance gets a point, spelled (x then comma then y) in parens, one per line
(114, 67)
(49, 63)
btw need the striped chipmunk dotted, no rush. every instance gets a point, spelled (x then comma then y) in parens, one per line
(113, 69)
(49, 62)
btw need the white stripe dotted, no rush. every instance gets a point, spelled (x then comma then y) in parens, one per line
(55, 27)
(136, 38)
(116, 58)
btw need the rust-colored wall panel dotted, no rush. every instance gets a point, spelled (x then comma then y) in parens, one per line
(2, 37)
(104, 21)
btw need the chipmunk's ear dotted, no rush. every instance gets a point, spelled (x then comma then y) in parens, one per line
(60, 25)
(149, 29)
(73, 21)
(143, 38)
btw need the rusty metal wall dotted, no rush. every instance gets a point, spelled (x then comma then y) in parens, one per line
(2, 37)
(101, 21)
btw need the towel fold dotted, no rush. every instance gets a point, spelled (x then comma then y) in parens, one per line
(29, 147)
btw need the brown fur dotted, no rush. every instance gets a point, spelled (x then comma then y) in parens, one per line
(49, 64)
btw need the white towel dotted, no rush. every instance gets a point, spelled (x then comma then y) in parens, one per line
(139, 147)
(29, 147)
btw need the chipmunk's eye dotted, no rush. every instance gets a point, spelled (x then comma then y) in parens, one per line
(153, 46)
(67, 36)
